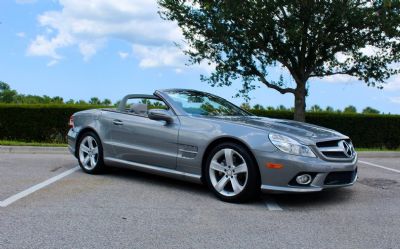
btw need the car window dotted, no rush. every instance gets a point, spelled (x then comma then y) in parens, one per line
(140, 106)
(198, 103)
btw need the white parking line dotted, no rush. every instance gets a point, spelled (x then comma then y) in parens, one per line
(271, 204)
(378, 166)
(36, 187)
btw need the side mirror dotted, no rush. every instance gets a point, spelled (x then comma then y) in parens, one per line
(160, 114)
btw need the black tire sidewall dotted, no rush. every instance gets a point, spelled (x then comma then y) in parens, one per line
(252, 187)
(100, 163)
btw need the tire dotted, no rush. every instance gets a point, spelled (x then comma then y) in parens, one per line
(90, 153)
(232, 174)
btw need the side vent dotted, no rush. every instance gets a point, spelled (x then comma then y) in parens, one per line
(187, 151)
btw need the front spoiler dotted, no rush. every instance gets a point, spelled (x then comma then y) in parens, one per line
(311, 189)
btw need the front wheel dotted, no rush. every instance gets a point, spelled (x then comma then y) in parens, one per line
(231, 173)
(90, 155)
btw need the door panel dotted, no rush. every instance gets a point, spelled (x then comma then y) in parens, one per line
(141, 140)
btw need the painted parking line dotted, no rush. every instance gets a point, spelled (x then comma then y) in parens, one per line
(36, 187)
(271, 204)
(379, 166)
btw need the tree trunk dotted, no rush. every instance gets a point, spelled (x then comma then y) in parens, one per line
(300, 102)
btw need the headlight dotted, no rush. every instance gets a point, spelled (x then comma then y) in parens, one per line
(291, 146)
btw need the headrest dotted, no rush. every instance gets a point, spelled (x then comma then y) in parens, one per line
(140, 109)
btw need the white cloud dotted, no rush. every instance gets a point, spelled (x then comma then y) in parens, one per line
(123, 55)
(337, 78)
(52, 63)
(156, 56)
(166, 56)
(89, 24)
(393, 84)
(395, 100)
(42, 46)
(370, 50)
(341, 57)
(88, 49)
(21, 34)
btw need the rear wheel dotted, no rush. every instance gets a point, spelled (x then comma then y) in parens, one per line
(90, 153)
(231, 173)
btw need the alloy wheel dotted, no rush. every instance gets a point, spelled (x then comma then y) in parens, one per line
(228, 172)
(89, 152)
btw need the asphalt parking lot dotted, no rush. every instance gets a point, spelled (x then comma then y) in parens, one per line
(47, 202)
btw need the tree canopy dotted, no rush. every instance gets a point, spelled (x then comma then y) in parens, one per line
(309, 38)
(11, 96)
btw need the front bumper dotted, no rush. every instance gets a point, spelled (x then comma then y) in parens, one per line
(281, 180)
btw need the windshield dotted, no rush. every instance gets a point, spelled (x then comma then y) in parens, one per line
(199, 103)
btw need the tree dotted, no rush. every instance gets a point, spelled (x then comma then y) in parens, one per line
(4, 86)
(245, 106)
(329, 109)
(270, 108)
(281, 108)
(57, 100)
(310, 39)
(258, 107)
(94, 101)
(370, 110)
(81, 102)
(106, 102)
(316, 108)
(350, 109)
(7, 95)
(70, 102)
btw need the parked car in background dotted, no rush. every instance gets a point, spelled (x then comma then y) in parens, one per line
(196, 136)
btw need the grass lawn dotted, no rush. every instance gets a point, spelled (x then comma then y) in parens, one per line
(20, 143)
(375, 149)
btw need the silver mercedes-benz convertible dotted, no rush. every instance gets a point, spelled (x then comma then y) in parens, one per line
(200, 137)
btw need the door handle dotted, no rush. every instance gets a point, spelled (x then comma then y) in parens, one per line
(117, 122)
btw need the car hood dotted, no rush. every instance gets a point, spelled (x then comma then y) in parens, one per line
(305, 133)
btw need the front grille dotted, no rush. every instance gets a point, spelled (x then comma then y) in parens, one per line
(342, 177)
(335, 154)
(331, 143)
(336, 149)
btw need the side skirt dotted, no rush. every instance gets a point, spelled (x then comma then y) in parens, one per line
(153, 169)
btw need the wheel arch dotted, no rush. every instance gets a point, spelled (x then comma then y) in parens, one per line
(221, 140)
(83, 132)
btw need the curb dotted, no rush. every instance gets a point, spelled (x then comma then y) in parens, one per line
(33, 150)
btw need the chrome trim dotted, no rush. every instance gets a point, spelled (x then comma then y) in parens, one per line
(329, 149)
(188, 151)
(269, 188)
(338, 148)
(154, 169)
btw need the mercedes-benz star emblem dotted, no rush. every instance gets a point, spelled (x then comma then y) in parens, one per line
(347, 148)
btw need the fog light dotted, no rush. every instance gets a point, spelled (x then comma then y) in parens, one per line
(304, 179)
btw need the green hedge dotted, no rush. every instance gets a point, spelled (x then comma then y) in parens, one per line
(36, 123)
(365, 130)
(49, 123)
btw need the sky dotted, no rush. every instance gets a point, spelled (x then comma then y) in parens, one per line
(80, 49)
